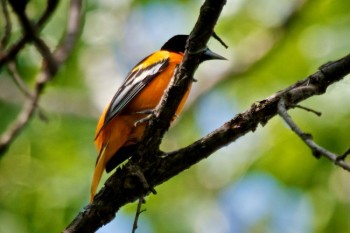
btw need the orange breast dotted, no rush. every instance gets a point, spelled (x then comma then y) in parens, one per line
(121, 129)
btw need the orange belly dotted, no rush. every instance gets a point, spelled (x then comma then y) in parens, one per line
(121, 130)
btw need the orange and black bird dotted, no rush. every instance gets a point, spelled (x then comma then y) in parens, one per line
(121, 123)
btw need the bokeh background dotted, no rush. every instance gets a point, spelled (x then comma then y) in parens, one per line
(267, 181)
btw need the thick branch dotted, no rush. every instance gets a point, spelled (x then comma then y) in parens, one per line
(122, 187)
(197, 42)
(254, 50)
(203, 30)
(259, 113)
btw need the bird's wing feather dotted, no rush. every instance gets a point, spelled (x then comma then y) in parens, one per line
(133, 84)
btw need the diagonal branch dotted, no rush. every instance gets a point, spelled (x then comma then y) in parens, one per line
(32, 34)
(122, 188)
(183, 77)
(103, 210)
(7, 29)
(19, 45)
(254, 51)
(317, 150)
(50, 8)
(17, 79)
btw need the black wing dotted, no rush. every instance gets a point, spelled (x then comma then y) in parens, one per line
(133, 84)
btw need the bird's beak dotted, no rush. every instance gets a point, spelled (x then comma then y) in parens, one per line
(210, 55)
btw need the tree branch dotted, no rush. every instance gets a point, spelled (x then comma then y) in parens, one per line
(254, 50)
(19, 45)
(121, 188)
(17, 79)
(32, 34)
(197, 42)
(104, 211)
(317, 150)
(60, 55)
(137, 215)
(7, 28)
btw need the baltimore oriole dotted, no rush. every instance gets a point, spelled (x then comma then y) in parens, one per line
(121, 124)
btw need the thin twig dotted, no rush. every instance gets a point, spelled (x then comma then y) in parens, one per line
(307, 138)
(245, 61)
(21, 120)
(7, 29)
(61, 54)
(220, 40)
(50, 8)
(17, 79)
(33, 35)
(138, 212)
(19, 45)
(308, 109)
(343, 156)
(73, 29)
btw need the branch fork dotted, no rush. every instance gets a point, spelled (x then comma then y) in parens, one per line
(307, 138)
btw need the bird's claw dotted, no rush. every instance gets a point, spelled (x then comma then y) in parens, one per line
(148, 112)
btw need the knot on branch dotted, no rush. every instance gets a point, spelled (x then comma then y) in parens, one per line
(135, 178)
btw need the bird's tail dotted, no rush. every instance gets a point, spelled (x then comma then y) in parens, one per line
(100, 165)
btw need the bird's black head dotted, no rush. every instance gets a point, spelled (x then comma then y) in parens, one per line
(177, 44)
